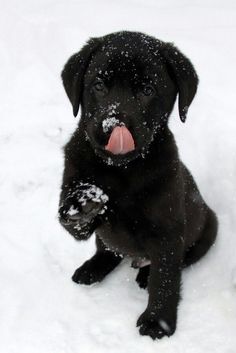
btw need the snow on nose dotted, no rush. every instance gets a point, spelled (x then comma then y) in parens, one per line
(121, 141)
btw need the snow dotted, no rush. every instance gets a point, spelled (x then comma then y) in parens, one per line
(164, 325)
(41, 309)
(72, 211)
(108, 123)
(91, 192)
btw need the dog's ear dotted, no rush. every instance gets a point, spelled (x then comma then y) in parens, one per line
(184, 75)
(74, 70)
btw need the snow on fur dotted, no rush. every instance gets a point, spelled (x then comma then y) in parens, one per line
(42, 310)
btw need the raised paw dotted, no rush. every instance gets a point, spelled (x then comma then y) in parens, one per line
(75, 213)
(81, 209)
(155, 327)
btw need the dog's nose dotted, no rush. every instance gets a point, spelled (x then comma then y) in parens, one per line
(123, 117)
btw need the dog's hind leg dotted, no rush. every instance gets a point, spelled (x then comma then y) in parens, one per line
(200, 248)
(142, 276)
(96, 268)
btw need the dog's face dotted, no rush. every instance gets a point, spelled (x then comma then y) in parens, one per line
(127, 84)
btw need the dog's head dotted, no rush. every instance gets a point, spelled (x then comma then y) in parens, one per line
(126, 84)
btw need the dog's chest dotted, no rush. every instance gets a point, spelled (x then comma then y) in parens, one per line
(127, 222)
(119, 239)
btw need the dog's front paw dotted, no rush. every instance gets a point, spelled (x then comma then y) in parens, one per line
(72, 212)
(155, 327)
(82, 204)
(87, 274)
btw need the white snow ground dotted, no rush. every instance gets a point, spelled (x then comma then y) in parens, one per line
(41, 309)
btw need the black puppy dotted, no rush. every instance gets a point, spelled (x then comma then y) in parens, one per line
(123, 178)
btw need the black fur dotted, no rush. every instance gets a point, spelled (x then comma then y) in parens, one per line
(143, 204)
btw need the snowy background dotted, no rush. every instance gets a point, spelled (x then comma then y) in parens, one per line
(41, 309)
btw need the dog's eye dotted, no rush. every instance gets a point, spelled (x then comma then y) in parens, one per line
(148, 90)
(99, 86)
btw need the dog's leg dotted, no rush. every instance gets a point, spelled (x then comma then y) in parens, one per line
(208, 237)
(142, 276)
(159, 319)
(96, 268)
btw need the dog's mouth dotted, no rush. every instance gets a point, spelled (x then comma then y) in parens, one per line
(119, 144)
(120, 141)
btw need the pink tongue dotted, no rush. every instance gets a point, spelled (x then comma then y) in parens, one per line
(121, 141)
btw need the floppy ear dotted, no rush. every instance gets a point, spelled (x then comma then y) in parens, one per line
(184, 75)
(74, 70)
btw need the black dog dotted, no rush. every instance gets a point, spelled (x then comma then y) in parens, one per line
(123, 177)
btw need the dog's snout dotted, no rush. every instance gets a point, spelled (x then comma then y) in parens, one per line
(117, 119)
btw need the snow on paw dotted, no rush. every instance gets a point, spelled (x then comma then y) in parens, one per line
(92, 193)
(82, 204)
